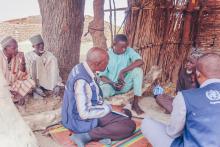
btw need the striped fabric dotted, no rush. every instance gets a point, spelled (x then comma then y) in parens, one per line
(61, 136)
(23, 87)
(136, 140)
(18, 81)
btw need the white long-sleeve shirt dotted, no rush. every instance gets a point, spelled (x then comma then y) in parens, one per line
(178, 115)
(43, 69)
(83, 95)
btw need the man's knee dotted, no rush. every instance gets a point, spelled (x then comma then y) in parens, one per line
(146, 126)
(107, 90)
(131, 126)
(137, 72)
(146, 122)
(152, 130)
(165, 101)
(127, 128)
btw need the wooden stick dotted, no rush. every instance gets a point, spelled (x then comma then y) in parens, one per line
(110, 20)
(116, 9)
(114, 17)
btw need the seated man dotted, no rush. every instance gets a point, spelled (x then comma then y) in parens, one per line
(84, 111)
(12, 64)
(43, 68)
(195, 112)
(187, 76)
(186, 80)
(123, 72)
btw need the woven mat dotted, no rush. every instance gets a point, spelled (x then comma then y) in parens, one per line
(61, 136)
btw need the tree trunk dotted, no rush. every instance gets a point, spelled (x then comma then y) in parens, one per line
(96, 27)
(62, 23)
(155, 29)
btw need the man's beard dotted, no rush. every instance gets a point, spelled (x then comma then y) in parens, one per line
(189, 71)
(41, 52)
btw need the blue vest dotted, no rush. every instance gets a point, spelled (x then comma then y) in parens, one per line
(202, 128)
(70, 115)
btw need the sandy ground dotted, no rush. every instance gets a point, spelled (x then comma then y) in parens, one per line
(148, 104)
(37, 106)
(45, 141)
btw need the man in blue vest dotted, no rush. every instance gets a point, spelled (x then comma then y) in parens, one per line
(195, 117)
(84, 111)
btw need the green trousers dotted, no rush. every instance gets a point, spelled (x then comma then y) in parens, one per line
(133, 80)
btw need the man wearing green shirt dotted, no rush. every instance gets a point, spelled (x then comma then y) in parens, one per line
(123, 72)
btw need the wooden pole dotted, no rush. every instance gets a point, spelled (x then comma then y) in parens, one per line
(185, 45)
(96, 26)
(116, 9)
(110, 20)
(114, 17)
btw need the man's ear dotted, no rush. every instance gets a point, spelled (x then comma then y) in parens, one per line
(5, 48)
(198, 74)
(98, 63)
(114, 43)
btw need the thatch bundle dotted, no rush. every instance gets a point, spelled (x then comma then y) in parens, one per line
(164, 31)
(208, 37)
(155, 28)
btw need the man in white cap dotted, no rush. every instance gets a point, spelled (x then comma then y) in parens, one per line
(186, 80)
(12, 64)
(43, 68)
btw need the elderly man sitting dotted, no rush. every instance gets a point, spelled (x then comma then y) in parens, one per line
(123, 72)
(12, 64)
(186, 80)
(43, 68)
(84, 110)
(195, 112)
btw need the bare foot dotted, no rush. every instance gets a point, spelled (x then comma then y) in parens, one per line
(40, 92)
(137, 108)
(167, 112)
(127, 112)
(20, 100)
(56, 91)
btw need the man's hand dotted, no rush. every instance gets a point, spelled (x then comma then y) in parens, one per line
(21, 57)
(21, 101)
(110, 107)
(117, 86)
(127, 112)
(121, 76)
(17, 98)
(56, 91)
(135, 64)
